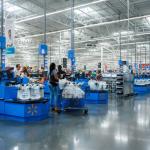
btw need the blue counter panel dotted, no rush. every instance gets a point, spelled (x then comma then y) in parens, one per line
(93, 97)
(11, 92)
(2, 91)
(26, 112)
(2, 107)
(14, 109)
(141, 89)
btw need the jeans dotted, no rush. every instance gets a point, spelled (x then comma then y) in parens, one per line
(54, 100)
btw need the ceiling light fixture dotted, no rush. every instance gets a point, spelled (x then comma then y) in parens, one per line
(59, 11)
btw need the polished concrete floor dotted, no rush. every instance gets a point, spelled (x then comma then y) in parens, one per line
(122, 125)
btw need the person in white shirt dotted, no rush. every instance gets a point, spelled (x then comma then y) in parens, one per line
(18, 70)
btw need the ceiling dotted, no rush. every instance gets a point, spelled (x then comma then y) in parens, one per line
(102, 28)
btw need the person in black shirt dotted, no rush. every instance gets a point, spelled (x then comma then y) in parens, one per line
(53, 80)
(61, 74)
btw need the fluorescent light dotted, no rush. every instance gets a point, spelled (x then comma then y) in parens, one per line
(59, 11)
(92, 25)
(80, 13)
(84, 12)
(10, 7)
(123, 33)
(148, 18)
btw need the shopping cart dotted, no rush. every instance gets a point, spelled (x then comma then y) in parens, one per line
(74, 104)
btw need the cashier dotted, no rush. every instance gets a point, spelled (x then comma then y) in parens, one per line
(18, 70)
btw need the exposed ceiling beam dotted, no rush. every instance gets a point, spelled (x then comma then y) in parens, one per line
(90, 26)
(59, 11)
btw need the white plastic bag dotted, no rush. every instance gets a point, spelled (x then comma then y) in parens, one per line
(72, 91)
(63, 83)
(35, 92)
(41, 91)
(97, 85)
(23, 92)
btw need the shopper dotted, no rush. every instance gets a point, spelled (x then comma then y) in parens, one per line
(53, 79)
(61, 74)
(24, 72)
(18, 70)
(99, 75)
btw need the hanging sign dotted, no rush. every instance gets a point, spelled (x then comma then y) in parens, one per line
(71, 54)
(10, 34)
(120, 62)
(43, 49)
(2, 42)
(10, 50)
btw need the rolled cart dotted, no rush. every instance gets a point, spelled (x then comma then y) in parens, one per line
(72, 97)
(73, 104)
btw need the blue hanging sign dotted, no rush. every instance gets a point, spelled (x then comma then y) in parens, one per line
(43, 49)
(10, 50)
(120, 62)
(2, 42)
(71, 54)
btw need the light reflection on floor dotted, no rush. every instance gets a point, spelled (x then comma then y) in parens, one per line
(122, 125)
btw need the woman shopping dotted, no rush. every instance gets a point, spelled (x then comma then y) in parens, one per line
(53, 79)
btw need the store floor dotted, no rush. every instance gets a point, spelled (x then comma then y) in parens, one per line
(122, 125)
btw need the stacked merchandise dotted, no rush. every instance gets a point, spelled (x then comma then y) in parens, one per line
(110, 79)
(120, 81)
(124, 82)
(119, 84)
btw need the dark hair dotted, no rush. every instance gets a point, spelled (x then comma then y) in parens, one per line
(59, 67)
(52, 67)
(17, 65)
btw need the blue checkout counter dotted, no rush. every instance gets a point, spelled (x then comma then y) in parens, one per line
(141, 89)
(96, 97)
(23, 111)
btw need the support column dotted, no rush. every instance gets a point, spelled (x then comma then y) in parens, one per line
(2, 34)
(102, 53)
